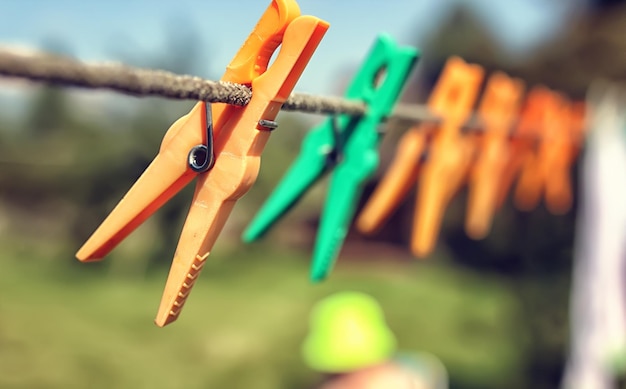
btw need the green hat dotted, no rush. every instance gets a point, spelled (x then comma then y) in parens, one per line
(347, 332)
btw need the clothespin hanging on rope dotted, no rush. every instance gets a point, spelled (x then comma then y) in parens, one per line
(498, 109)
(547, 172)
(448, 159)
(524, 140)
(450, 155)
(560, 157)
(219, 144)
(346, 145)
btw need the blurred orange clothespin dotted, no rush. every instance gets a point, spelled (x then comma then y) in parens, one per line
(524, 139)
(560, 156)
(398, 180)
(227, 166)
(548, 170)
(498, 109)
(450, 154)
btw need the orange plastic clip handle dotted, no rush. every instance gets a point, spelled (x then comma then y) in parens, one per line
(498, 108)
(165, 176)
(169, 172)
(450, 156)
(524, 162)
(548, 162)
(524, 139)
(398, 180)
(238, 151)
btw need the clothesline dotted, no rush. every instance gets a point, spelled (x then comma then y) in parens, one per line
(68, 72)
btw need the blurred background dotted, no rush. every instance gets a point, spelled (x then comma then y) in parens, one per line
(494, 311)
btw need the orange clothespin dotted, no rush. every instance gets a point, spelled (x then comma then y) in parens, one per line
(498, 109)
(560, 156)
(188, 148)
(548, 172)
(450, 155)
(524, 139)
(397, 181)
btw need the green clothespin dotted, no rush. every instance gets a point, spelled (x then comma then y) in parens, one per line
(349, 145)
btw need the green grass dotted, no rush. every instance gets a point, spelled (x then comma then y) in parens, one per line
(83, 326)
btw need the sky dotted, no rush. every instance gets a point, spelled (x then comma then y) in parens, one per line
(106, 30)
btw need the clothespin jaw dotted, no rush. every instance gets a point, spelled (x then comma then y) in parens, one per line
(450, 154)
(398, 180)
(346, 144)
(498, 109)
(240, 135)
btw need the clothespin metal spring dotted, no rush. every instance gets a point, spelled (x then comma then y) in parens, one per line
(202, 157)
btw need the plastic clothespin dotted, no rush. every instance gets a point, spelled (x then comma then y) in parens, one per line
(498, 109)
(558, 158)
(524, 139)
(348, 146)
(398, 180)
(450, 155)
(547, 171)
(188, 148)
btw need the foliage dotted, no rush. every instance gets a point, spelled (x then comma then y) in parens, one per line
(243, 325)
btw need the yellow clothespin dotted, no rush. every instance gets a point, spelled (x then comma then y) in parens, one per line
(227, 166)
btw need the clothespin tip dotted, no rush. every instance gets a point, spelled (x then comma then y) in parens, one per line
(249, 235)
(318, 275)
